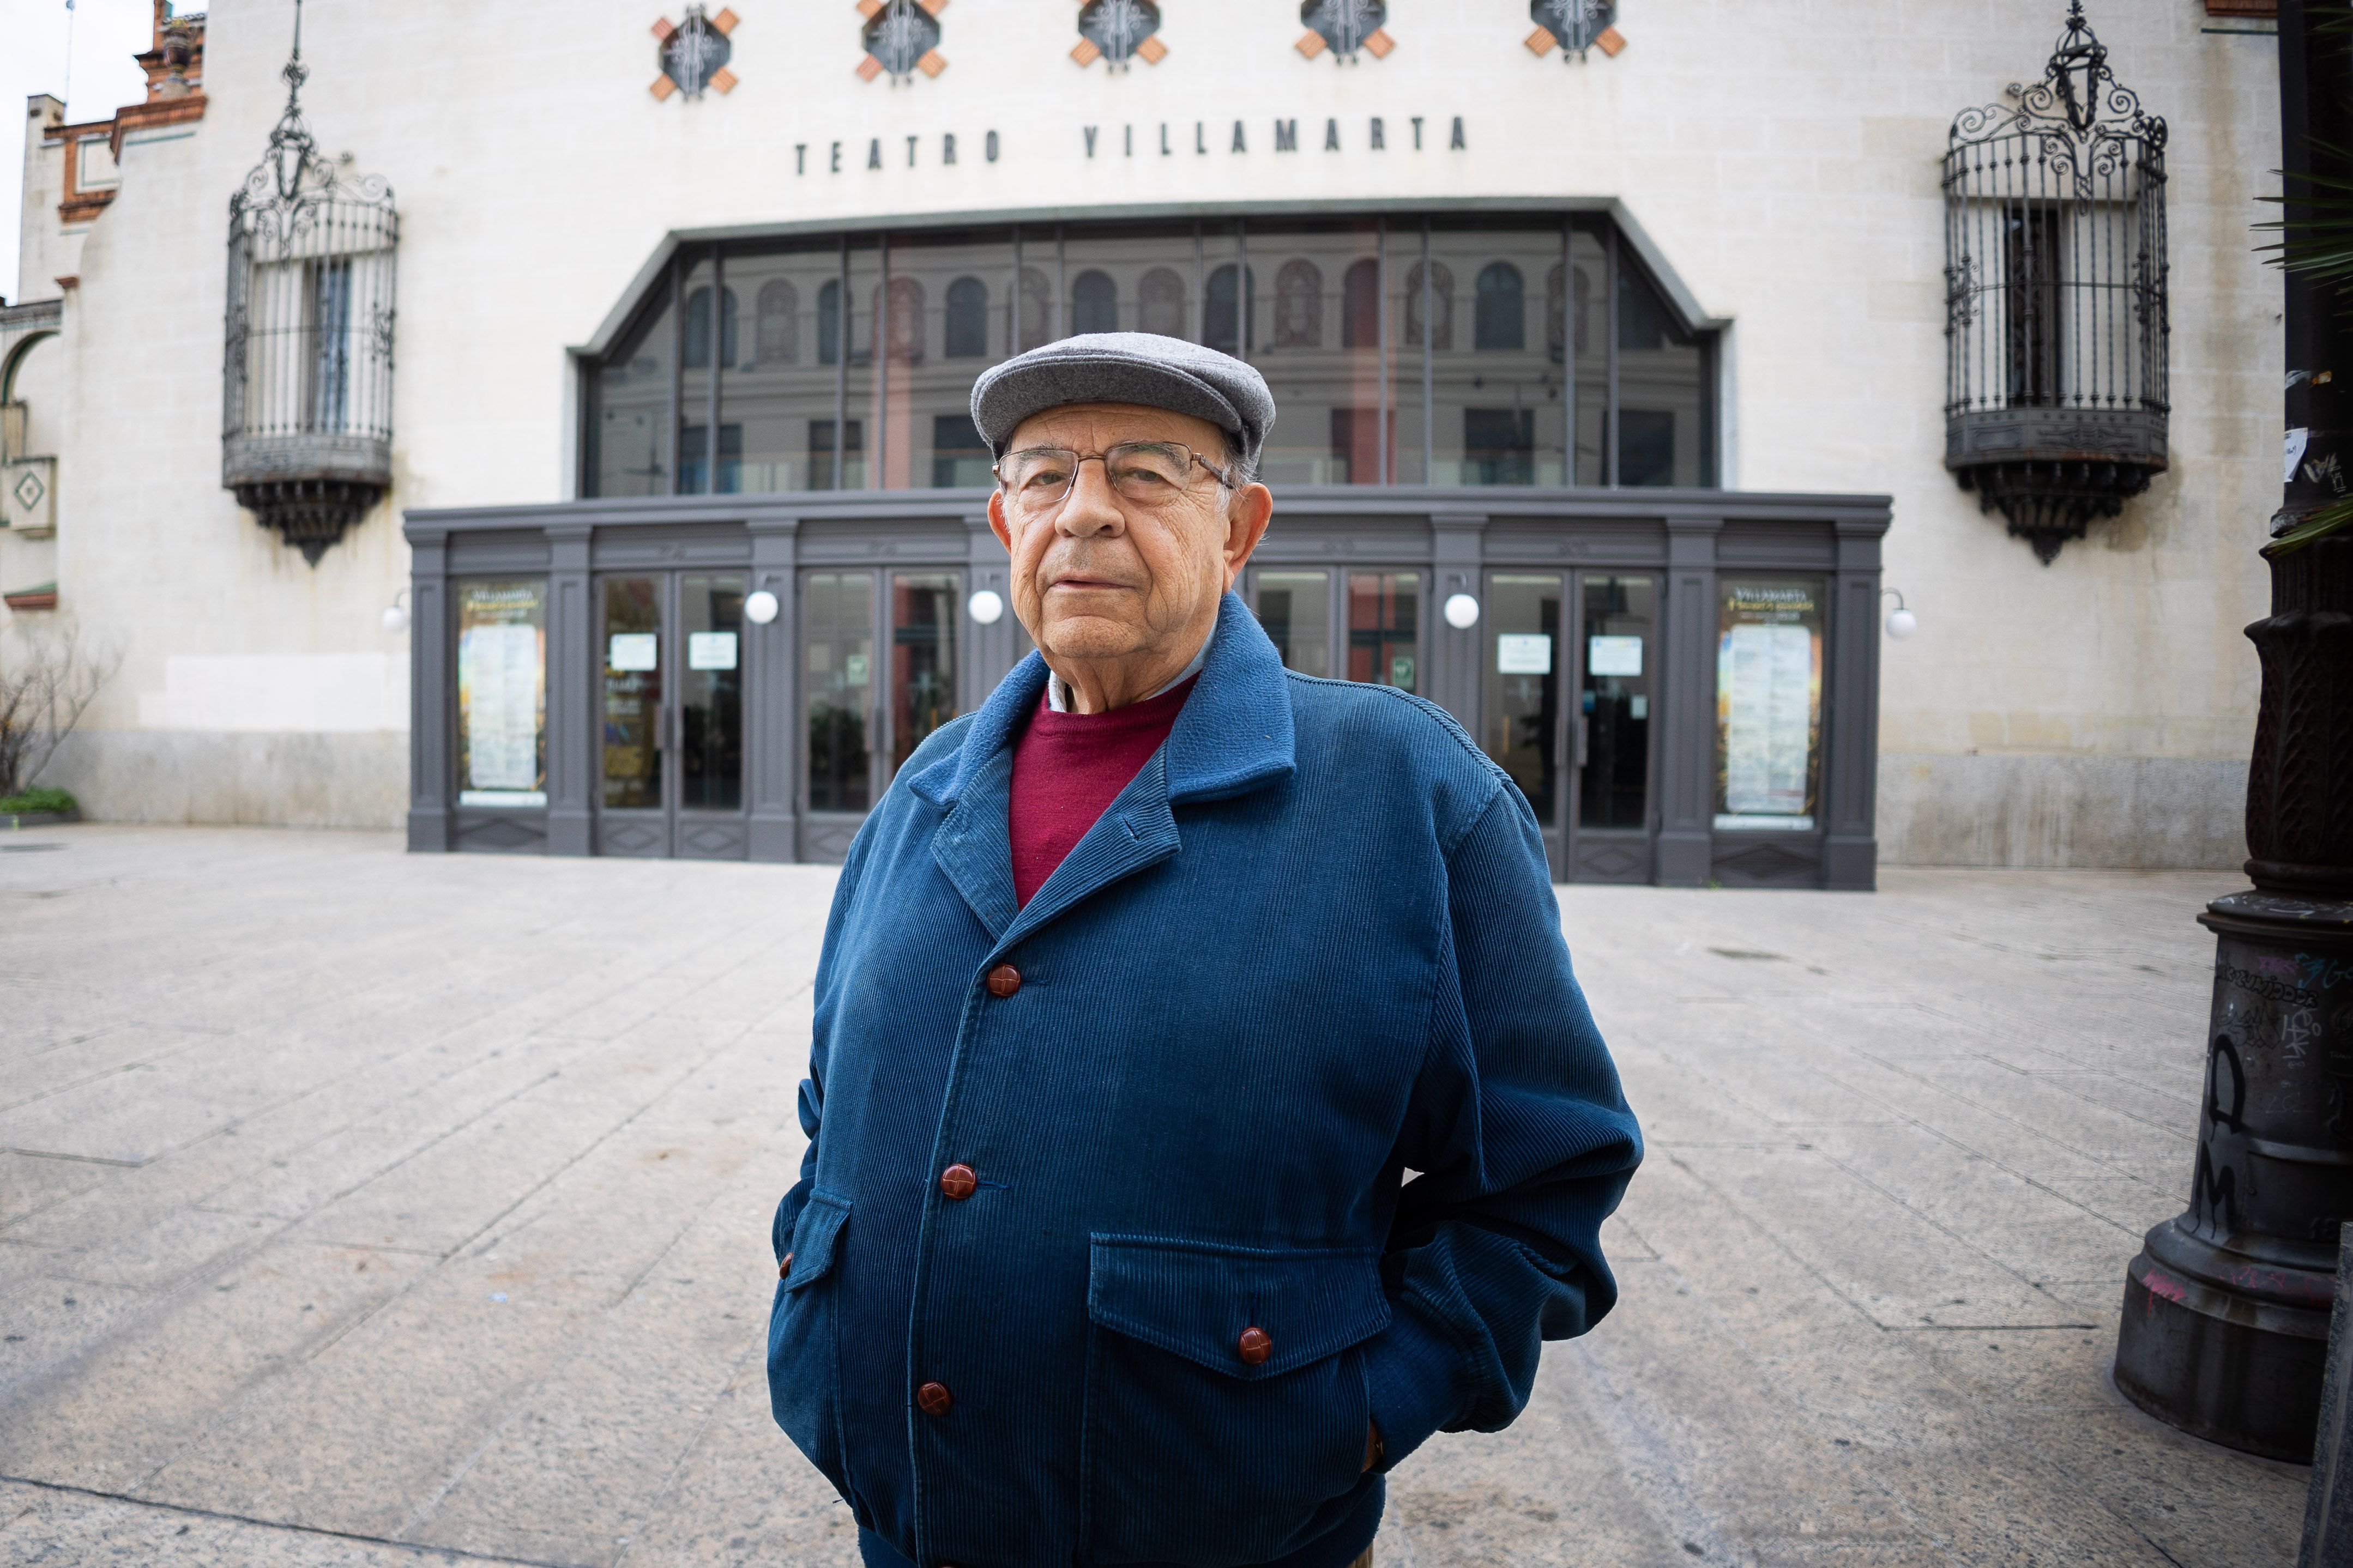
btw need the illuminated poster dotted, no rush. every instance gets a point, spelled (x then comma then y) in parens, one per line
(502, 693)
(1768, 704)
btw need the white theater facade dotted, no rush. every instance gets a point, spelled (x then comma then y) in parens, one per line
(1631, 360)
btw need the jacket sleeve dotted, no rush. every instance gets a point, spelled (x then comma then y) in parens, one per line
(1525, 1143)
(827, 1002)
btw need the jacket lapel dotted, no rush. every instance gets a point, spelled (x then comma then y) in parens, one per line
(1233, 736)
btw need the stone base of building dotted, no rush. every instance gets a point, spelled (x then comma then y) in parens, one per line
(2041, 809)
(351, 779)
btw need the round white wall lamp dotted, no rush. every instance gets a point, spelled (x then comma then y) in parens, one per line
(1461, 612)
(986, 605)
(1901, 622)
(760, 608)
(396, 615)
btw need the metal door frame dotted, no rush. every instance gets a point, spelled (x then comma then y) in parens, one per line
(1575, 839)
(669, 722)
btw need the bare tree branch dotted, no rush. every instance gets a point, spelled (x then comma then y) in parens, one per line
(45, 689)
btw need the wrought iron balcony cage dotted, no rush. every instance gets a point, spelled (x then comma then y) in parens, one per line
(306, 435)
(2056, 296)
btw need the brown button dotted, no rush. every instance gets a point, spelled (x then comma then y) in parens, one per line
(958, 1181)
(785, 1267)
(1004, 980)
(933, 1399)
(1255, 1347)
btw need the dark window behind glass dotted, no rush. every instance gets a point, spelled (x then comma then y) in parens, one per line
(1449, 351)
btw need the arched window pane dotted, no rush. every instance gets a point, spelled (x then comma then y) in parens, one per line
(1501, 321)
(967, 322)
(1226, 323)
(776, 330)
(1094, 302)
(829, 322)
(1299, 305)
(1160, 303)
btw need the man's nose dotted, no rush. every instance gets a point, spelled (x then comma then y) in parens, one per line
(1090, 508)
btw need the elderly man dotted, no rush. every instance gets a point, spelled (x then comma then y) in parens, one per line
(1201, 1110)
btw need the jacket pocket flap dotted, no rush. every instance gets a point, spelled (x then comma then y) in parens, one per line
(813, 1237)
(1195, 1299)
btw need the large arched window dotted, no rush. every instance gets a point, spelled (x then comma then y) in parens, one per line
(1589, 370)
(1438, 280)
(776, 323)
(1094, 302)
(1500, 321)
(695, 352)
(967, 325)
(1360, 306)
(1160, 303)
(1299, 305)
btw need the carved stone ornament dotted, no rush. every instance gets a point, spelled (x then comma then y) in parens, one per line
(1573, 27)
(901, 38)
(1118, 32)
(1345, 27)
(694, 53)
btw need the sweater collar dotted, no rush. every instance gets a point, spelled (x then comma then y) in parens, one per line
(1233, 736)
(1058, 690)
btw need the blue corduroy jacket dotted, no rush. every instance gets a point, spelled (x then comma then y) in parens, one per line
(1310, 952)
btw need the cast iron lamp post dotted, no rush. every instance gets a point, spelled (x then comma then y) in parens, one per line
(2227, 1307)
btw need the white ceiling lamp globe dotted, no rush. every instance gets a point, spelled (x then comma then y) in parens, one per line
(395, 618)
(1461, 612)
(1902, 623)
(760, 608)
(986, 606)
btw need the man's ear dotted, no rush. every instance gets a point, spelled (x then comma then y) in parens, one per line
(1247, 516)
(997, 523)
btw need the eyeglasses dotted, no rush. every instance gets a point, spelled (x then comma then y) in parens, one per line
(1150, 474)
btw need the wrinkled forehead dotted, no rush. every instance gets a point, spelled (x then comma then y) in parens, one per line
(1092, 427)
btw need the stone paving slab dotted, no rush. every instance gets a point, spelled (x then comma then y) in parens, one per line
(359, 1208)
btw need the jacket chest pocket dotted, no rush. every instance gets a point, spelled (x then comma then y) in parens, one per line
(1227, 1409)
(804, 1369)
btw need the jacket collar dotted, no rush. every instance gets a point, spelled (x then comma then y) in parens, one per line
(1234, 735)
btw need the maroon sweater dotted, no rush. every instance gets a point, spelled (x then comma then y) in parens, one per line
(1067, 767)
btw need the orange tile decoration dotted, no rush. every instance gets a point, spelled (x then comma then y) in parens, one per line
(1311, 43)
(725, 21)
(870, 9)
(663, 29)
(1540, 41)
(1379, 44)
(932, 64)
(1609, 42)
(723, 79)
(869, 68)
(1086, 54)
(662, 88)
(933, 6)
(1152, 50)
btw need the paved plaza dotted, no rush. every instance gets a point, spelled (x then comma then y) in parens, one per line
(363, 1208)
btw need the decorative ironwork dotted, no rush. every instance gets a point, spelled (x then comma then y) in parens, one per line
(306, 435)
(2055, 289)
(695, 53)
(1345, 27)
(1576, 25)
(1117, 32)
(902, 37)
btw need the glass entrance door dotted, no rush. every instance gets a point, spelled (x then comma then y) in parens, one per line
(671, 716)
(878, 676)
(1357, 626)
(1520, 704)
(1609, 828)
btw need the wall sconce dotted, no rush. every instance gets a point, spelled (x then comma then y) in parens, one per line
(986, 606)
(1901, 622)
(1461, 612)
(760, 607)
(396, 615)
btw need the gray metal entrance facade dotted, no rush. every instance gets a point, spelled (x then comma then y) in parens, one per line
(1684, 683)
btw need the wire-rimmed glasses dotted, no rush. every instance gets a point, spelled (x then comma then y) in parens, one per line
(1151, 474)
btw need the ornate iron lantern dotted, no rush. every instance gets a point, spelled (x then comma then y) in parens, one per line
(306, 405)
(2056, 296)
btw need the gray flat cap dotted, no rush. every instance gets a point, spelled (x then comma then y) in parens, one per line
(1125, 367)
